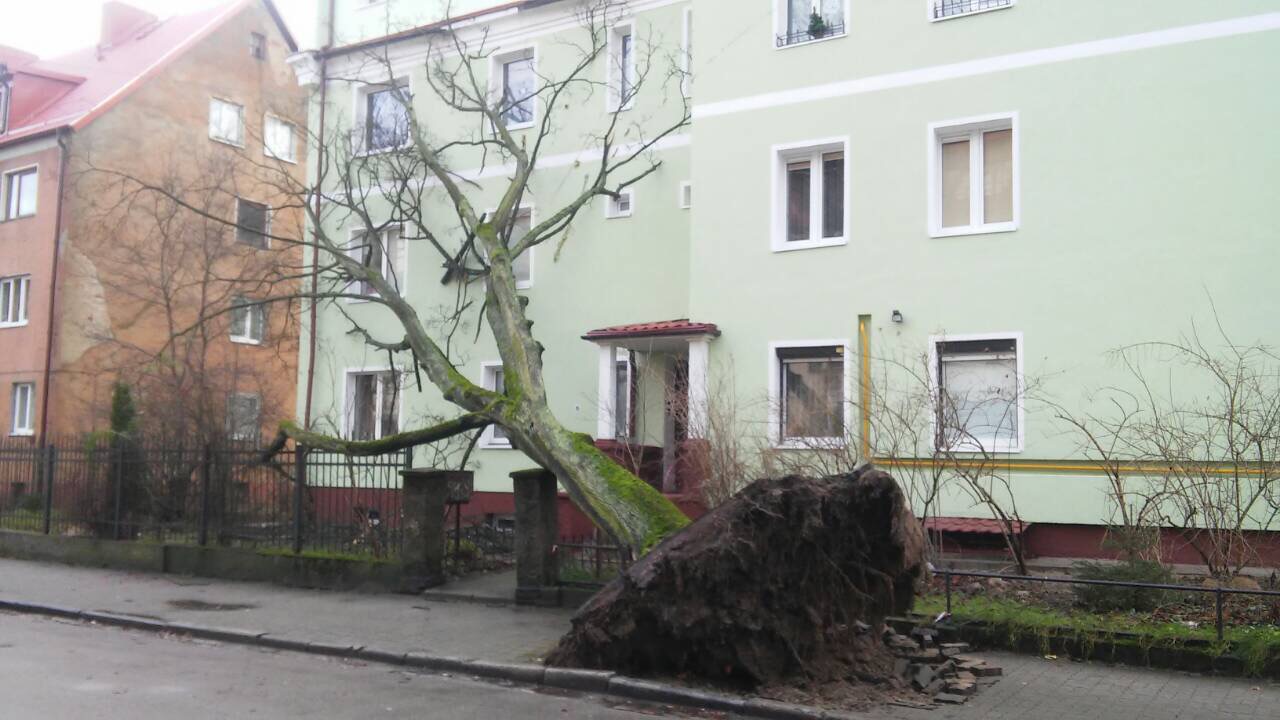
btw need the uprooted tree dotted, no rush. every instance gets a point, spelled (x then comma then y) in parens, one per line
(390, 175)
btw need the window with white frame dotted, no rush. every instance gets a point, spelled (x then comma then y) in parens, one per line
(522, 266)
(947, 9)
(621, 67)
(253, 223)
(517, 87)
(278, 139)
(686, 195)
(20, 193)
(802, 21)
(810, 386)
(14, 292)
(493, 378)
(226, 121)
(386, 252)
(22, 409)
(244, 416)
(4, 107)
(623, 393)
(809, 203)
(979, 391)
(373, 404)
(621, 206)
(257, 46)
(974, 176)
(248, 321)
(385, 115)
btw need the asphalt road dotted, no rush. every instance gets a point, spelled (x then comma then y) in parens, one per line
(53, 669)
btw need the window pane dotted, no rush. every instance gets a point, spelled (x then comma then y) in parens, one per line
(371, 259)
(833, 195)
(813, 397)
(624, 64)
(997, 176)
(523, 265)
(251, 217)
(622, 399)
(833, 12)
(8, 301)
(22, 194)
(386, 120)
(518, 85)
(981, 399)
(279, 139)
(798, 12)
(390, 403)
(798, 201)
(499, 386)
(955, 184)
(364, 409)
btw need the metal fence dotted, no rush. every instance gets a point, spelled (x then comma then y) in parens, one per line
(1219, 593)
(177, 491)
(588, 560)
(951, 8)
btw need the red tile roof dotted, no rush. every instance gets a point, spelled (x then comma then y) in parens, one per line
(662, 328)
(970, 525)
(76, 88)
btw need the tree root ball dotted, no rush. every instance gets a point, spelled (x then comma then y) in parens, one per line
(793, 576)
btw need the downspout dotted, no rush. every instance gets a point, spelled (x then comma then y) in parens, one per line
(53, 287)
(315, 265)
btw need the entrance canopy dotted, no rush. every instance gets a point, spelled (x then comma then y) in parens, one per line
(662, 335)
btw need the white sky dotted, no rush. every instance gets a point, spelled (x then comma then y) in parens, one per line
(53, 27)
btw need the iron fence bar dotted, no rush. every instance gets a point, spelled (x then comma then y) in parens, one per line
(206, 462)
(1110, 583)
(300, 483)
(119, 478)
(1218, 602)
(49, 455)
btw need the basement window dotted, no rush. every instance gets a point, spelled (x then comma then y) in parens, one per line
(979, 383)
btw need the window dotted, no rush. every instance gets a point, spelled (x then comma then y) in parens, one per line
(244, 413)
(373, 404)
(809, 202)
(686, 195)
(973, 177)
(20, 193)
(386, 117)
(492, 378)
(621, 68)
(519, 85)
(257, 46)
(252, 223)
(978, 407)
(623, 392)
(226, 122)
(22, 415)
(523, 265)
(4, 107)
(620, 206)
(802, 21)
(13, 300)
(946, 9)
(277, 139)
(248, 321)
(387, 253)
(809, 384)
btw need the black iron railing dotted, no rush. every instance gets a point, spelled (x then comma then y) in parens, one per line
(1219, 593)
(803, 36)
(952, 8)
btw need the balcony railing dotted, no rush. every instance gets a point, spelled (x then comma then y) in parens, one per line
(952, 8)
(829, 29)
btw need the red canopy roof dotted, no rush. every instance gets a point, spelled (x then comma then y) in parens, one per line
(970, 525)
(661, 328)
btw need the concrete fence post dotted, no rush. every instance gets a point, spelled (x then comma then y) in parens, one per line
(426, 492)
(537, 528)
(49, 457)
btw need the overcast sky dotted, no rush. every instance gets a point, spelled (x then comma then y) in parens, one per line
(53, 27)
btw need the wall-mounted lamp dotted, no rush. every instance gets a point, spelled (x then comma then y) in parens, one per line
(896, 316)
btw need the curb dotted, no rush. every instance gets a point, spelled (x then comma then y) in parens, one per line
(590, 681)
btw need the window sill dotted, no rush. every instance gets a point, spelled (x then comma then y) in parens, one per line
(970, 13)
(832, 443)
(789, 245)
(620, 216)
(19, 217)
(1003, 448)
(496, 445)
(522, 126)
(6, 326)
(241, 340)
(269, 154)
(524, 285)
(974, 230)
(225, 141)
(22, 433)
(806, 43)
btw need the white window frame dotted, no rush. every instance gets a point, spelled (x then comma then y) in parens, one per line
(684, 196)
(611, 208)
(255, 313)
(7, 189)
(19, 425)
(234, 142)
(498, 78)
(5, 90)
(686, 54)
(256, 430)
(254, 45)
(936, 390)
(292, 157)
(19, 300)
(266, 236)
(488, 380)
(775, 395)
(401, 277)
(813, 150)
(360, 106)
(348, 397)
(780, 26)
(612, 79)
(972, 128)
(533, 219)
(929, 5)
(625, 434)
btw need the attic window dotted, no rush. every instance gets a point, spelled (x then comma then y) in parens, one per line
(257, 46)
(4, 105)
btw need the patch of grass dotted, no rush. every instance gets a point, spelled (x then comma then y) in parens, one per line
(578, 574)
(1255, 645)
(25, 520)
(323, 555)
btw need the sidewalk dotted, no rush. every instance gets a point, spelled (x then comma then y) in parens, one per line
(399, 623)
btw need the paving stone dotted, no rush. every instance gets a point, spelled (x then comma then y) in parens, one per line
(949, 698)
